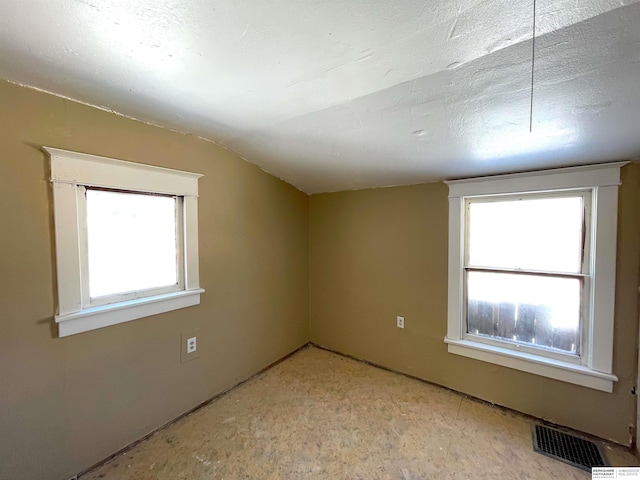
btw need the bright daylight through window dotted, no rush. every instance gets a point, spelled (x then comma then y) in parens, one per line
(525, 261)
(126, 240)
(532, 272)
(132, 243)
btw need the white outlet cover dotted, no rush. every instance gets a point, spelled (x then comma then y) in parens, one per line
(191, 345)
(400, 321)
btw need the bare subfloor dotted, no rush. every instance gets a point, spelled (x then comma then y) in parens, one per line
(323, 416)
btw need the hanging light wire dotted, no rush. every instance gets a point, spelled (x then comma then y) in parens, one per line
(533, 63)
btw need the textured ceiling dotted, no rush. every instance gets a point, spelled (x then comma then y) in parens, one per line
(334, 95)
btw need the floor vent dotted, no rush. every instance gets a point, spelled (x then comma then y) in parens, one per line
(567, 448)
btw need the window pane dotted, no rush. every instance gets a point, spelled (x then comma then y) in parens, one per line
(538, 310)
(531, 234)
(132, 242)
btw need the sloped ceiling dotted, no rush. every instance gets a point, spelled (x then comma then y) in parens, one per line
(335, 95)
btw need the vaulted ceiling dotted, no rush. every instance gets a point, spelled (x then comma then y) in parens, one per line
(333, 95)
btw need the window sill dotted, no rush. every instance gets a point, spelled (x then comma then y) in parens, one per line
(546, 367)
(106, 315)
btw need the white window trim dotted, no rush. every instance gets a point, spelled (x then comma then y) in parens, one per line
(70, 170)
(603, 180)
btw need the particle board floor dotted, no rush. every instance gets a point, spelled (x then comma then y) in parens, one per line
(319, 415)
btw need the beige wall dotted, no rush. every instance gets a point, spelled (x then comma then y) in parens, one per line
(375, 254)
(66, 403)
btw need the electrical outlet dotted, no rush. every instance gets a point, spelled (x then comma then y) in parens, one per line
(400, 321)
(191, 345)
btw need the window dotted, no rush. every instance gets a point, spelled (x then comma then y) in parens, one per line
(525, 269)
(126, 240)
(532, 272)
(133, 242)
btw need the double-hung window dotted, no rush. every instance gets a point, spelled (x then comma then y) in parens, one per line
(532, 272)
(126, 240)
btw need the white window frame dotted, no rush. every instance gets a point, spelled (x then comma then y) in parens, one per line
(71, 174)
(594, 370)
(583, 275)
(89, 301)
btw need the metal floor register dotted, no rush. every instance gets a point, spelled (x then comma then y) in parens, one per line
(567, 448)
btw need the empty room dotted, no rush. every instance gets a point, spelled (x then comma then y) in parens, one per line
(319, 239)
